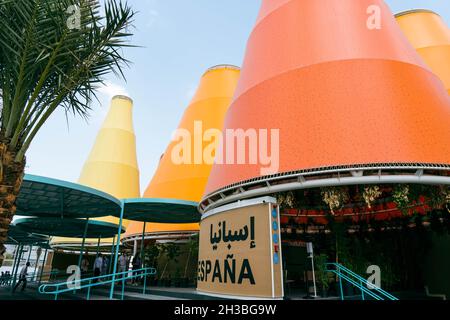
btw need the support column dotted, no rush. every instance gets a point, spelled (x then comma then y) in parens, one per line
(43, 265)
(83, 243)
(111, 294)
(112, 255)
(142, 245)
(17, 267)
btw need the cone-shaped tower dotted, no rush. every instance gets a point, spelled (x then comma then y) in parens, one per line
(430, 36)
(187, 181)
(345, 89)
(112, 164)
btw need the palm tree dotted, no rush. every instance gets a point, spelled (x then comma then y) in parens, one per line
(53, 54)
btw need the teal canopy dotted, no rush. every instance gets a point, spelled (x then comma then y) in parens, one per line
(46, 197)
(17, 235)
(161, 210)
(67, 228)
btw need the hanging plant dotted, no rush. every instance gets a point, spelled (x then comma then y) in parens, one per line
(286, 200)
(437, 197)
(447, 199)
(400, 197)
(370, 194)
(280, 198)
(334, 197)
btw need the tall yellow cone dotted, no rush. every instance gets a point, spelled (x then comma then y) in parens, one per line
(430, 36)
(112, 164)
(187, 181)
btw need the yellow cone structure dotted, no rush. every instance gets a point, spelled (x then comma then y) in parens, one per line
(112, 164)
(187, 181)
(430, 36)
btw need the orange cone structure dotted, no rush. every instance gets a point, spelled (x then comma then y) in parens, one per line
(430, 36)
(112, 164)
(187, 181)
(343, 92)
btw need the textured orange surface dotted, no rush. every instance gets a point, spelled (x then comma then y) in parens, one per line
(339, 93)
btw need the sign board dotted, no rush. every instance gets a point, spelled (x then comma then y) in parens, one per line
(240, 251)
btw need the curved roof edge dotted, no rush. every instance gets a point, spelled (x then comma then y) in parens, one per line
(123, 97)
(222, 66)
(404, 13)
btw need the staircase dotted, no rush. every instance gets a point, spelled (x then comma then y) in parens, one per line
(368, 290)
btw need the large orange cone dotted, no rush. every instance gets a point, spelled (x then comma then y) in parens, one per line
(430, 36)
(112, 164)
(187, 181)
(343, 91)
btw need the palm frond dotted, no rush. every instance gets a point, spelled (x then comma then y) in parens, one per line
(47, 64)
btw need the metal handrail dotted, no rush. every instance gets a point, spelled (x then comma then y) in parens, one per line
(89, 283)
(359, 282)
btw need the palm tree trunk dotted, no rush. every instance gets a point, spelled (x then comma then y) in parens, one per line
(11, 175)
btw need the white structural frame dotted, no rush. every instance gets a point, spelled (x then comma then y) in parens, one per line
(428, 174)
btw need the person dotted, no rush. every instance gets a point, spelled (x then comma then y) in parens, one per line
(22, 278)
(84, 265)
(98, 264)
(105, 266)
(123, 263)
(2, 278)
(8, 277)
(136, 266)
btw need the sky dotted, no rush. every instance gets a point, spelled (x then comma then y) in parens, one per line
(180, 39)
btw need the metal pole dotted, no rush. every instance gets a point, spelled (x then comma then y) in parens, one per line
(111, 294)
(29, 253)
(142, 255)
(43, 265)
(15, 262)
(38, 255)
(142, 245)
(82, 243)
(340, 283)
(362, 290)
(17, 268)
(98, 250)
(112, 253)
(145, 282)
(98, 247)
(314, 276)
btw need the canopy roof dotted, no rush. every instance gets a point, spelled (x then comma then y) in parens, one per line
(17, 235)
(161, 210)
(71, 228)
(46, 197)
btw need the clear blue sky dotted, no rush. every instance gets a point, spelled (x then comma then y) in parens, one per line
(181, 39)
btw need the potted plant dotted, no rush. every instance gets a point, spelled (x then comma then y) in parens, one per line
(322, 275)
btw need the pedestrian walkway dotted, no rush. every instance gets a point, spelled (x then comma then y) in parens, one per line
(102, 293)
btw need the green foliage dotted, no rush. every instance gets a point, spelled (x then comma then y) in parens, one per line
(194, 245)
(170, 250)
(47, 63)
(400, 196)
(151, 254)
(321, 273)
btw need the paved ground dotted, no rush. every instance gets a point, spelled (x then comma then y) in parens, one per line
(102, 293)
(152, 293)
